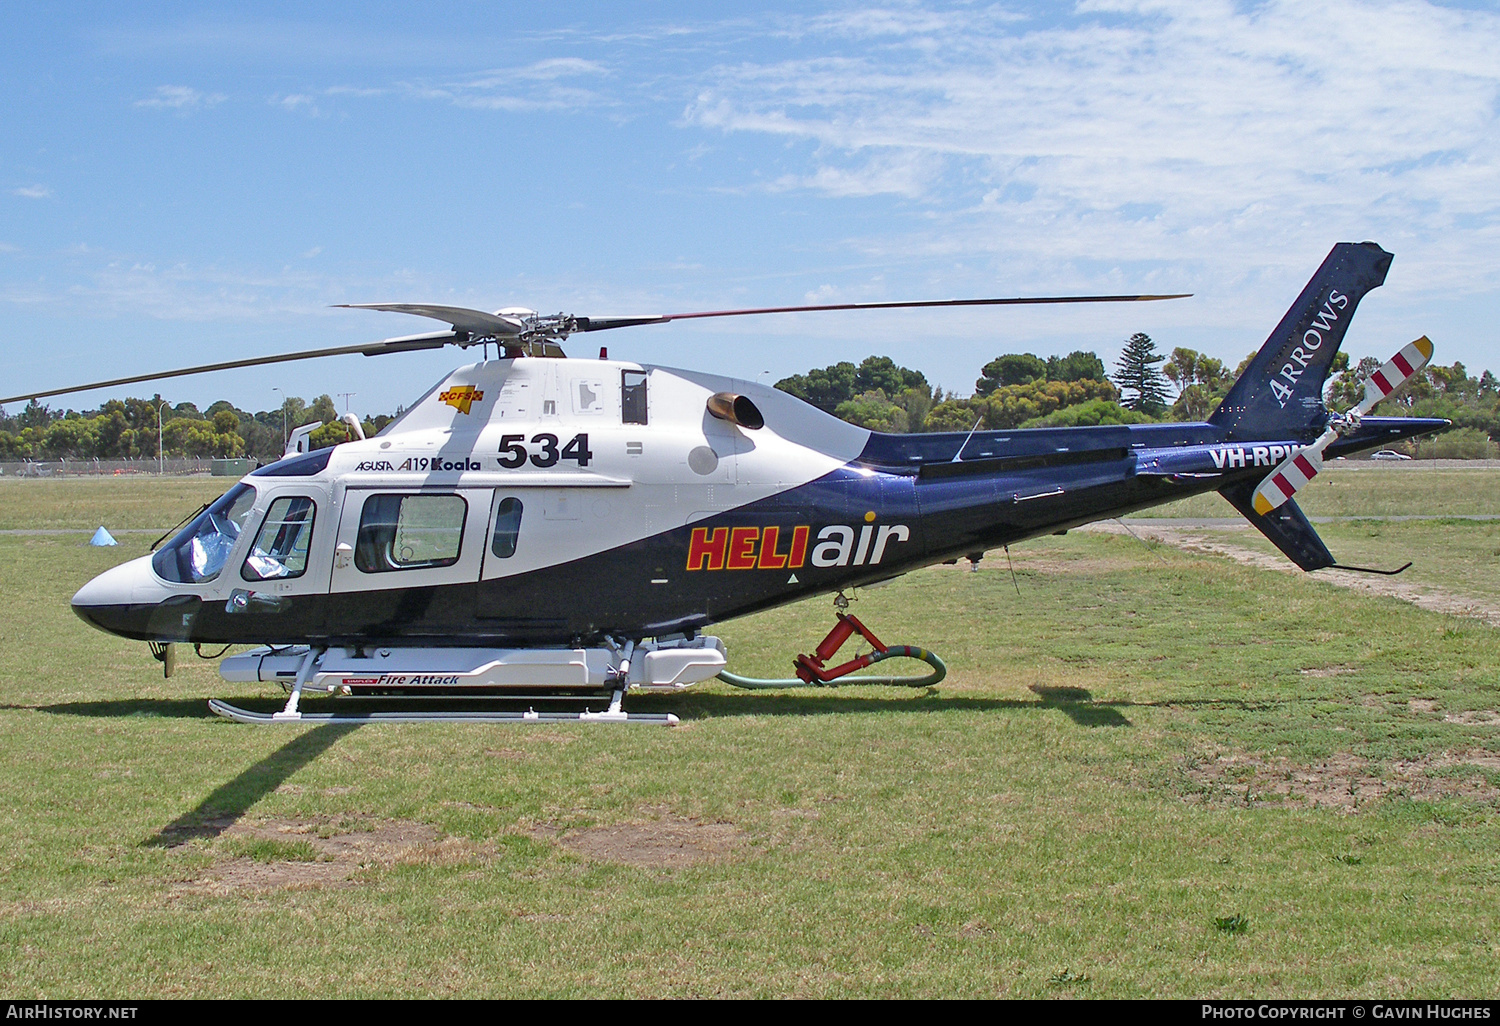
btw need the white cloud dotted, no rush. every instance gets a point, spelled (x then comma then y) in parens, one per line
(299, 103)
(181, 98)
(32, 192)
(901, 173)
(1157, 131)
(359, 92)
(545, 85)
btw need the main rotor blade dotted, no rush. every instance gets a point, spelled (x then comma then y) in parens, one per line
(403, 344)
(1017, 301)
(476, 322)
(467, 322)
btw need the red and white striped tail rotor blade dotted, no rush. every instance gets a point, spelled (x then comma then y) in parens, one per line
(1292, 475)
(1305, 464)
(1401, 369)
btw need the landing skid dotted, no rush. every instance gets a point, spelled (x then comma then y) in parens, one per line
(234, 712)
(291, 714)
(502, 683)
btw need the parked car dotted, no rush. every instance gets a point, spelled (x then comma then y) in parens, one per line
(1389, 454)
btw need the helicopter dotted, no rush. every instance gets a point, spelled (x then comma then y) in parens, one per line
(539, 523)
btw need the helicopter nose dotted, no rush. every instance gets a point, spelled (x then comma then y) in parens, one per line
(121, 600)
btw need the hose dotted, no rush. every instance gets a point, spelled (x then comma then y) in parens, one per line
(939, 671)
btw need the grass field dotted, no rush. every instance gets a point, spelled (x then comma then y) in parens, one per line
(1456, 555)
(1152, 773)
(1374, 490)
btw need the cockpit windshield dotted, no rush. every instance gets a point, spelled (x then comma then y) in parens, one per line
(198, 552)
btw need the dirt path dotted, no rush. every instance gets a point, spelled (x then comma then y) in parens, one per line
(1423, 595)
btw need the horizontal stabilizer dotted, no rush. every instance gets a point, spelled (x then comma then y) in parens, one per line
(1286, 526)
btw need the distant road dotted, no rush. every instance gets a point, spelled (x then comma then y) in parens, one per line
(1369, 464)
(1242, 522)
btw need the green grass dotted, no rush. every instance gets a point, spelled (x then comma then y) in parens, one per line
(1141, 746)
(129, 503)
(1460, 556)
(267, 850)
(1373, 490)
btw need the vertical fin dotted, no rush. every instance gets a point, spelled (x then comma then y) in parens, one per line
(1280, 395)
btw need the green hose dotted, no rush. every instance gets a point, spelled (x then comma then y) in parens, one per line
(939, 671)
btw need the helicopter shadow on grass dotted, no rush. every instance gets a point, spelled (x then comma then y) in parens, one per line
(706, 707)
(232, 799)
(709, 706)
(226, 804)
(143, 708)
(1077, 704)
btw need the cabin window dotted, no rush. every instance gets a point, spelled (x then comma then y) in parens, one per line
(632, 397)
(409, 532)
(280, 549)
(507, 527)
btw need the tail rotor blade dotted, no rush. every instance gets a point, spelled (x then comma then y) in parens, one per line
(1401, 369)
(1303, 465)
(1292, 475)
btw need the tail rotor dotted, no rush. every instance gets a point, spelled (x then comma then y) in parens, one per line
(1292, 475)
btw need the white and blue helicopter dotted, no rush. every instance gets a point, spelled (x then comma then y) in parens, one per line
(536, 523)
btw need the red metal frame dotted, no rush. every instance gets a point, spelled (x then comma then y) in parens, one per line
(810, 667)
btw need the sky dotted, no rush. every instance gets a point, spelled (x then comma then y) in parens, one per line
(189, 183)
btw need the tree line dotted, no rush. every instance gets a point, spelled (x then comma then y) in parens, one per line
(1014, 390)
(1023, 390)
(127, 429)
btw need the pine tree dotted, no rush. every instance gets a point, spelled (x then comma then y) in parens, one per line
(1136, 372)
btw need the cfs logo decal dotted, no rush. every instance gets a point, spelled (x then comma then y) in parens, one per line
(761, 548)
(461, 397)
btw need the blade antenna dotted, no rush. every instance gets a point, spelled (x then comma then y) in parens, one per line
(958, 456)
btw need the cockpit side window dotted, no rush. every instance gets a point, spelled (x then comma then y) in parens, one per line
(198, 552)
(280, 549)
(632, 397)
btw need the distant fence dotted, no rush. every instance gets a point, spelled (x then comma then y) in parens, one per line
(103, 468)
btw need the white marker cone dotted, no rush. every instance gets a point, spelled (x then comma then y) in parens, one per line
(102, 537)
